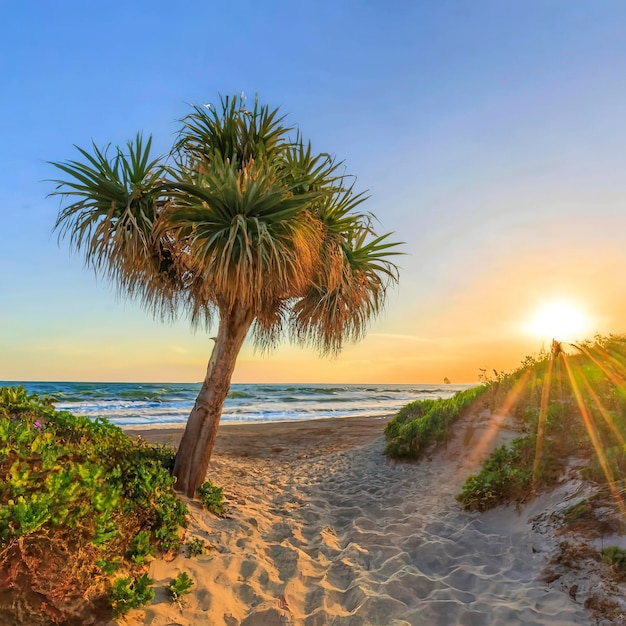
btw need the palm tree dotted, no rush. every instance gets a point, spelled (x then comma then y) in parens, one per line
(241, 226)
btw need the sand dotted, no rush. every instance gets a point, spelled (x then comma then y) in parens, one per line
(322, 529)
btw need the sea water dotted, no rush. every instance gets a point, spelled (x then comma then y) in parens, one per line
(161, 404)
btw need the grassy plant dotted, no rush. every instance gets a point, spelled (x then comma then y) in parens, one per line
(86, 488)
(615, 457)
(109, 567)
(211, 497)
(180, 586)
(423, 423)
(616, 557)
(578, 511)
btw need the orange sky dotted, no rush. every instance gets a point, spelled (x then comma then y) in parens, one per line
(493, 143)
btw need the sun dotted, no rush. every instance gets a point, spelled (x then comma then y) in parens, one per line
(561, 320)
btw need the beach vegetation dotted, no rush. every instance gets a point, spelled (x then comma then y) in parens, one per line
(196, 547)
(212, 497)
(420, 425)
(506, 476)
(141, 548)
(130, 593)
(180, 586)
(243, 226)
(82, 495)
(615, 557)
(110, 566)
(568, 403)
(580, 511)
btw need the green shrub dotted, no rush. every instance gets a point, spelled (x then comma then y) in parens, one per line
(127, 594)
(505, 477)
(180, 586)
(95, 493)
(196, 547)
(423, 423)
(211, 497)
(584, 380)
(111, 566)
(140, 549)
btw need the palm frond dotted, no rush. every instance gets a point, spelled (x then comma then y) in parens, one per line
(348, 291)
(114, 205)
(244, 217)
(231, 132)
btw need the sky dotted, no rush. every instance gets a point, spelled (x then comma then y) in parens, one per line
(491, 137)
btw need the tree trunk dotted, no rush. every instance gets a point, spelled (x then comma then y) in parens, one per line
(196, 446)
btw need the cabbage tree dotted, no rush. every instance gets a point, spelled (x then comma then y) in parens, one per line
(241, 227)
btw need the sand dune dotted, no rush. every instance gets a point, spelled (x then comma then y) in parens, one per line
(324, 530)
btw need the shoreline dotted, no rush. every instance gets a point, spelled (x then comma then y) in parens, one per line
(279, 439)
(134, 429)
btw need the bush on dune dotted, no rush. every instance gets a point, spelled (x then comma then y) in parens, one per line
(82, 506)
(423, 423)
(507, 475)
(583, 396)
(584, 416)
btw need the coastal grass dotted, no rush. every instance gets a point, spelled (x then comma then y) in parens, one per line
(582, 510)
(615, 557)
(424, 423)
(83, 509)
(567, 405)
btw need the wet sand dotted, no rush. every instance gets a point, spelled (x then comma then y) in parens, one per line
(323, 529)
(280, 440)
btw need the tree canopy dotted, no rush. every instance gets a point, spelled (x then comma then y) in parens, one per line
(243, 224)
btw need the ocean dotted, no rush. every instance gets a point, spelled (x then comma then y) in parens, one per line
(161, 404)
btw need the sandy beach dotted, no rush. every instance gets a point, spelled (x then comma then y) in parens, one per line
(322, 529)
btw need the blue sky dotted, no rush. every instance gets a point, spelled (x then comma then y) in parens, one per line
(491, 136)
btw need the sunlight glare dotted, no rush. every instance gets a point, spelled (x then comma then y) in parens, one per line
(560, 320)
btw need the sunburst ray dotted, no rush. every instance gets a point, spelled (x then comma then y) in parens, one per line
(594, 436)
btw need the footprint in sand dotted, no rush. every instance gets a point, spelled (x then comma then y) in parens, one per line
(248, 568)
(356, 540)
(285, 559)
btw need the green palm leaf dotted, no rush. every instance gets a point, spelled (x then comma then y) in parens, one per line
(247, 224)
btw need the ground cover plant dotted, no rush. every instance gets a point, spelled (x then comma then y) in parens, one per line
(196, 547)
(580, 511)
(212, 497)
(569, 402)
(128, 593)
(423, 423)
(179, 587)
(507, 475)
(83, 508)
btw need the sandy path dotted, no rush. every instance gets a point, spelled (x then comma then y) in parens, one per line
(323, 530)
